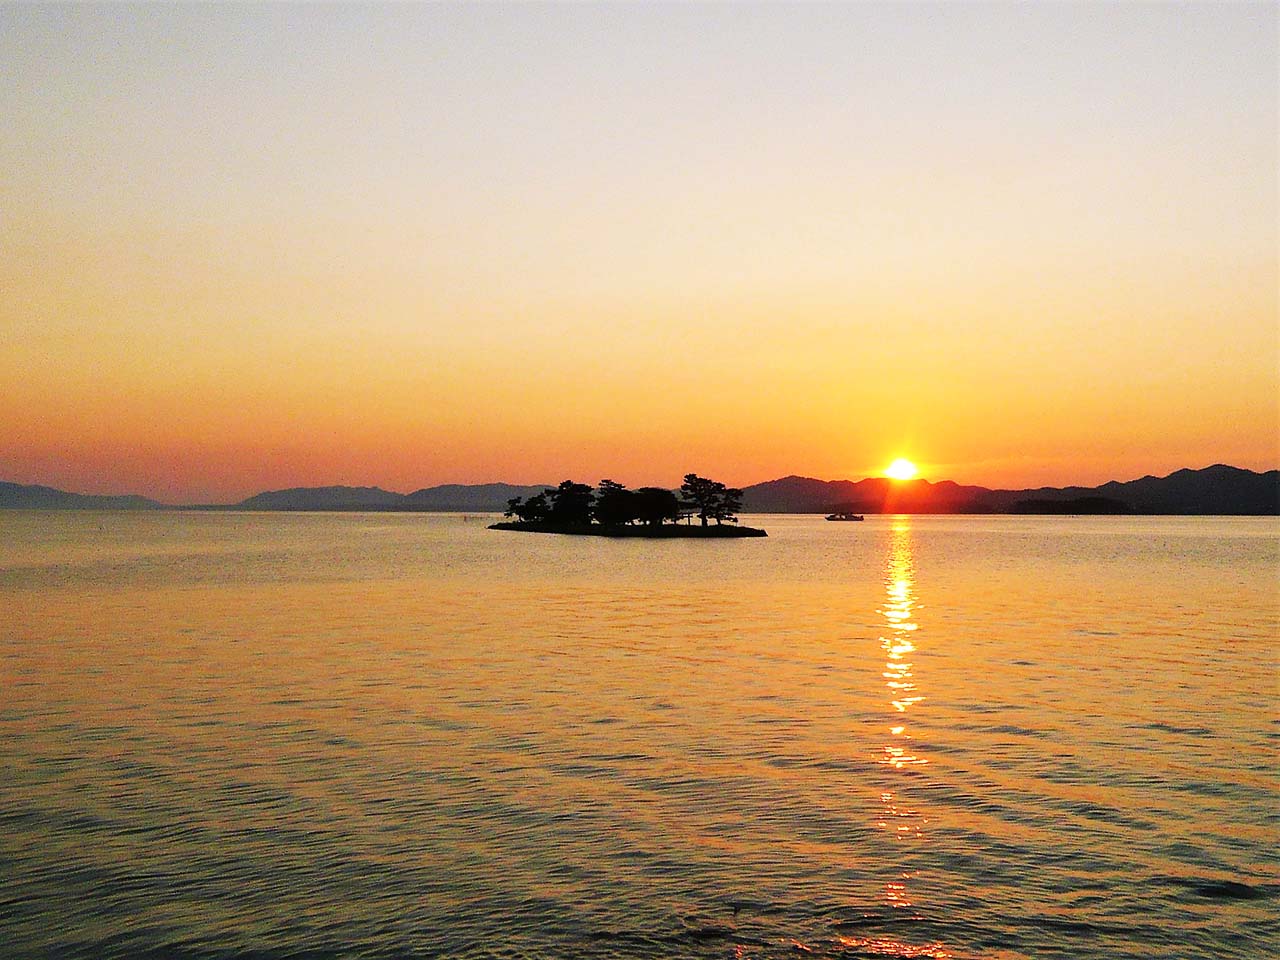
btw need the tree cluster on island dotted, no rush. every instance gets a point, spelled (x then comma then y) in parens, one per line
(611, 505)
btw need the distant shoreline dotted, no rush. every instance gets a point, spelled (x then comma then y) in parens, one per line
(1218, 490)
(485, 513)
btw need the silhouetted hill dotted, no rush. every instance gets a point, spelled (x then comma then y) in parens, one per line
(480, 497)
(1219, 489)
(16, 496)
(323, 498)
(873, 495)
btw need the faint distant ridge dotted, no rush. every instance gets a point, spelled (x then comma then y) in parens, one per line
(16, 496)
(322, 498)
(481, 498)
(1215, 490)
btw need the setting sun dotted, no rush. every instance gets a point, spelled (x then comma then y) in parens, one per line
(901, 470)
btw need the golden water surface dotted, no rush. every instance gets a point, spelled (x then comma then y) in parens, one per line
(283, 735)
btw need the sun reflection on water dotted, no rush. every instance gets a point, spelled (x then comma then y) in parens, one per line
(899, 645)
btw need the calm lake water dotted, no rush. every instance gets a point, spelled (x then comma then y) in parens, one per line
(376, 735)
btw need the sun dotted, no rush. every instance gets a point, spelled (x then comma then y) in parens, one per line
(901, 470)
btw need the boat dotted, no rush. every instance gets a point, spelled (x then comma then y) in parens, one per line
(845, 516)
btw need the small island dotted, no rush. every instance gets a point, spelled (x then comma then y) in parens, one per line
(611, 510)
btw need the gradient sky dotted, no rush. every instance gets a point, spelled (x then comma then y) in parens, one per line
(257, 247)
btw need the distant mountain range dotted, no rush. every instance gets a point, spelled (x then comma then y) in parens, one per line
(15, 496)
(1219, 489)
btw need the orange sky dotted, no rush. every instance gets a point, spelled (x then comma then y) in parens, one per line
(252, 248)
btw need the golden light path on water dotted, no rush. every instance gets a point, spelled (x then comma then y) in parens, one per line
(898, 641)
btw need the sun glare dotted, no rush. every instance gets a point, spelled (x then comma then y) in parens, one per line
(901, 469)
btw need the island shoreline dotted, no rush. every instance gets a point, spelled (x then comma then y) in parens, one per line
(663, 532)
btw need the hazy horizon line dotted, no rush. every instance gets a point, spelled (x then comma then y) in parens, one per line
(360, 486)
